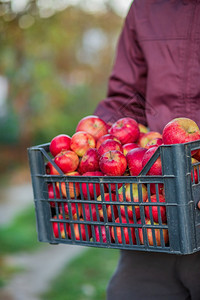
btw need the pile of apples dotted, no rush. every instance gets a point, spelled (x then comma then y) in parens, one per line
(119, 149)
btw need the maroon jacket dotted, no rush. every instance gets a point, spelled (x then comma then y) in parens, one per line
(156, 75)
(155, 78)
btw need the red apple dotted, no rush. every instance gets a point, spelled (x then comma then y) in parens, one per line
(50, 169)
(105, 137)
(147, 137)
(80, 231)
(149, 232)
(89, 161)
(127, 147)
(196, 154)
(89, 212)
(113, 163)
(134, 159)
(95, 212)
(82, 141)
(90, 192)
(160, 187)
(59, 227)
(76, 209)
(109, 124)
(109, 145)
(156, 168)
(126, 130)
(109, 208)
(154, 142)
(122, 231)
(67, 161)
(195, 173)
(131, 196)
(180, 130)
(155, 208)
(100, 234)
(72, 188)
(59, 143)
(92, 125)
(53, 193)
(113, 187)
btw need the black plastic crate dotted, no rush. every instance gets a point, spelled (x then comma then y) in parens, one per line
(59, 222)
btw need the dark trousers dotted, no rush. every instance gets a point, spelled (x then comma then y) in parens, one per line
(155, 276)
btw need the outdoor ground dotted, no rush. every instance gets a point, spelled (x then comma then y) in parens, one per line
(30, 270)
(41, 266)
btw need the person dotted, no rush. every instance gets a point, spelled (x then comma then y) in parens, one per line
(156, 78)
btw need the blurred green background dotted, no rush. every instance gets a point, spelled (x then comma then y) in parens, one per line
(55, 60)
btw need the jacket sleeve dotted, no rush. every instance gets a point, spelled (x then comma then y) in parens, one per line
(127, 82)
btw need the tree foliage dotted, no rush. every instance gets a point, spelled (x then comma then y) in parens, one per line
(55, 76)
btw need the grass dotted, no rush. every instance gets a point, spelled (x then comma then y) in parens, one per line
(86, 277)
(7, 271)
(20, 234)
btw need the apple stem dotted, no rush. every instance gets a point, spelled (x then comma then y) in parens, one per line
(111, 156)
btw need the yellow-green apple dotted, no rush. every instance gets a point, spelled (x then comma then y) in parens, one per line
(93, 125)
(91, 189)
(105, 137)
(89, 161)
(149, 232)
(143, 128)
(81, 141)
(122, 231)
(59, 227)
(53, 193)
(113, 163)
(180, 130)
(154, 142)
(50, 169)
(195, 175)
(132, 197)
(156, 168)
(80, 231)
(59, 143)
(74, 209)
(134, 160)
(67, 161)
(127, 147)
(154, 210)
(109, 145)
(147, 137)
(140, 136)
(126, 130)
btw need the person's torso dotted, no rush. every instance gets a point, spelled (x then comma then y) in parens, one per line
(168, 32)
